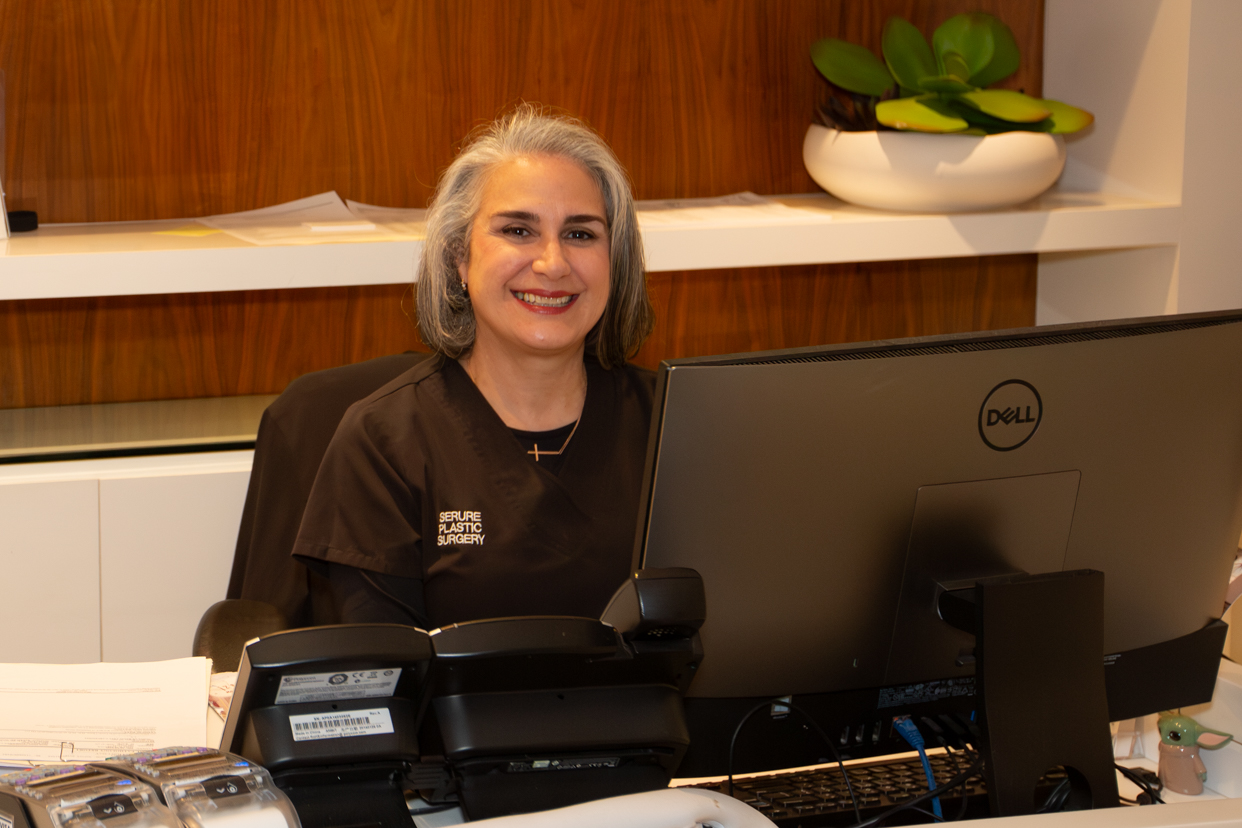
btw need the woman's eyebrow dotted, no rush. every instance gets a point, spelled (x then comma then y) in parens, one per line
(533, 218)
(584, 218)
(520, 215)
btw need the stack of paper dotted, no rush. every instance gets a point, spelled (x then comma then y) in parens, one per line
(731, 210)
(320, 219)
(86, 712)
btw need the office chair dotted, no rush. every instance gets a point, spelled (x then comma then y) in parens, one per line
(268, 589)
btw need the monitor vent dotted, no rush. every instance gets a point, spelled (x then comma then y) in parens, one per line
(999, 344)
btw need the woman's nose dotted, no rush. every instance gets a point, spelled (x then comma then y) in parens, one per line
(551, 261)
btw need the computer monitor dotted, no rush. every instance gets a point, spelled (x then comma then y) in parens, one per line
(827, 496)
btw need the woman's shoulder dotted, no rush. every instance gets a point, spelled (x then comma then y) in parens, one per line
(628, 389)
(626, 375)
(397, 402)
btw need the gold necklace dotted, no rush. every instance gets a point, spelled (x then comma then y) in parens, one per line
(537, 452)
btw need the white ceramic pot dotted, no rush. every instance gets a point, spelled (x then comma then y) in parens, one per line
(933, 173)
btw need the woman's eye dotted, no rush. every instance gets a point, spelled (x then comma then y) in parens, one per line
(520, 232)
(580, 235)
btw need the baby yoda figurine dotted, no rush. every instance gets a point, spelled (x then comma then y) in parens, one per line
(1181, 769)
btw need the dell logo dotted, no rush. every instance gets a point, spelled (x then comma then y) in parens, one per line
(1010, 414)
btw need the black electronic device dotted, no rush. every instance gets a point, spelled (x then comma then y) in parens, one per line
(542, 712)
(829, 496)
(333, 713)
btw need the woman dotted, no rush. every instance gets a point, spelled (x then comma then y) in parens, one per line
(502, 476)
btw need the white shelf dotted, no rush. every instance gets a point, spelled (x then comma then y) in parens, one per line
(1057, 221)
(69, 260)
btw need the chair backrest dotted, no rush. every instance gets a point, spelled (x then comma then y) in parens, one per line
(293, 435)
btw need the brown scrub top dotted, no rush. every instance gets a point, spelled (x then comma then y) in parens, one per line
(423, 480)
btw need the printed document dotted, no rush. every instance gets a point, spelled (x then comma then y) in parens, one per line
(85, 712)
(736, 209)
(315, 219)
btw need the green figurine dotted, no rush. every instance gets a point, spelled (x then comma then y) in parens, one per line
(1181, 769)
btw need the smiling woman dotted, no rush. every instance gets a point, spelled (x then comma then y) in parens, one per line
(528, 422)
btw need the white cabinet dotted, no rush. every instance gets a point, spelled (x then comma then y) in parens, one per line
(165, 550)
(115, 559)
(49, 565)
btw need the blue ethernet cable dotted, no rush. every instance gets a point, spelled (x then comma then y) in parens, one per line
(910, 732)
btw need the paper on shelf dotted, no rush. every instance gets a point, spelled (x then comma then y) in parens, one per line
(84, 712)
(193, 230)
(293, 223)
(735, 209)
(406, 220)
(350, 226)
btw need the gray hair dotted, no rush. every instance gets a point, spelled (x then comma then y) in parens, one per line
(445, 317)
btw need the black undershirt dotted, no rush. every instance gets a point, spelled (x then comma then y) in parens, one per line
(373, 597)
(547, 441)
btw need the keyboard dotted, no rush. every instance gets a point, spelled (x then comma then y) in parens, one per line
(814, 798)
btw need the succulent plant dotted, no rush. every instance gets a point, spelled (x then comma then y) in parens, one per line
(938, 87)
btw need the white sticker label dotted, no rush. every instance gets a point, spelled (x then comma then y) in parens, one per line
(314, 687)
(6, 821)
(339, 725)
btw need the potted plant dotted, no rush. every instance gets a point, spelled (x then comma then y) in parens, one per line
(920, 130)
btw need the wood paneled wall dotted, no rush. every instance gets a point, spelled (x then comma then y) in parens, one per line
(214, 344)
(143, 109)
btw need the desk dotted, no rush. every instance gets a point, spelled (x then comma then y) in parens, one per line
(1220, 805)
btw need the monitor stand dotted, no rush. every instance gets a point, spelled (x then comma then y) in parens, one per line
(1040, 673)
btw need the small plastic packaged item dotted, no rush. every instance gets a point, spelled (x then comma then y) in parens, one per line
(79, 796)
(207, 788)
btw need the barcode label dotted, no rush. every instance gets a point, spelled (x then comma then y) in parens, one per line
(340, 725)
(358, 684)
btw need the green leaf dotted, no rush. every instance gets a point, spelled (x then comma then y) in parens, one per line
(1066, 118)
(851, 67)
(991, 126)
(907, 54)
(1007, 105)
(945, 84)
(1005, 55)
(969, 37)
(954, 65)
(925, 114)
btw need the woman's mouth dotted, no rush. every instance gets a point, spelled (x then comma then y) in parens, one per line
(546, 302)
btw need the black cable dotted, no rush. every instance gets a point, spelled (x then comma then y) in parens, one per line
(835, 755)
(960, 779)
(736, 731)
(1138, 780)
(1056, 800)
(938, 734)
(957, 766)
(928, 813)
(818, 729)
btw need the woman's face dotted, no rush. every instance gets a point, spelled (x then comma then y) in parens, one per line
(538, 266)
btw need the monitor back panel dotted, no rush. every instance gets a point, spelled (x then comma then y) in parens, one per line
(792, 487)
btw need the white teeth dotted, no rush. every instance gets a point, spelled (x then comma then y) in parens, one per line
(545, 301)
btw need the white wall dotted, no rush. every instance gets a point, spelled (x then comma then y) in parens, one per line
(1161, 78)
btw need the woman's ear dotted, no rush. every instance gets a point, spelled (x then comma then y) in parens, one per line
(461, 273)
